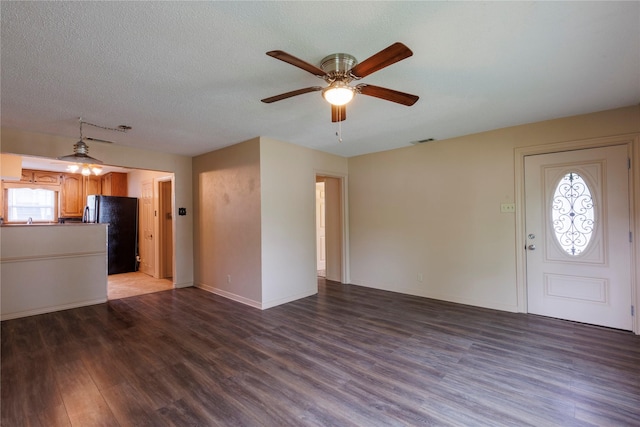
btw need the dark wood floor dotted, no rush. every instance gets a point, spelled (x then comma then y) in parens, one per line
(350, 356)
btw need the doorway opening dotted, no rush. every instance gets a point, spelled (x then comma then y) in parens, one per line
(330, 228)
(321, 229)
(154, 191)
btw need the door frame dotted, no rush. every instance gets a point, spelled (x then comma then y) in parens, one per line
(160, 240)
(344, 215)
(162, 235)
(632, 141)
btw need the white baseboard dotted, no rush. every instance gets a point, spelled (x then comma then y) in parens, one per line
(252, 303)
(183, 285)
(229, 295)
(51, 309)
(280, 301)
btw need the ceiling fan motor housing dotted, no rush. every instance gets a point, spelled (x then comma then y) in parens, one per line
(338, 64)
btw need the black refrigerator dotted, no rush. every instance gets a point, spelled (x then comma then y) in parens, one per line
(121, 213)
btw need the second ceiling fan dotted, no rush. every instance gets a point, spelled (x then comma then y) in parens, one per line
(340, 69)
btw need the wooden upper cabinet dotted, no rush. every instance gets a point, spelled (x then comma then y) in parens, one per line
(74, 188)
(72, 200)
(92, 184)
(74, 191)
(41, 177)
(44, 177)
(114, 184)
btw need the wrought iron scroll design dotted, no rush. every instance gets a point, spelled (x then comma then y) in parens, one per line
(572, 213)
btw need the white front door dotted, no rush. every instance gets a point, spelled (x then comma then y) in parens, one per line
(578, 236)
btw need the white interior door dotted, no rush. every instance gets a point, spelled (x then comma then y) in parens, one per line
(578, 236)
(321, 249)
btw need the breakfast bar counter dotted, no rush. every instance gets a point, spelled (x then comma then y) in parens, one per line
(51, 267)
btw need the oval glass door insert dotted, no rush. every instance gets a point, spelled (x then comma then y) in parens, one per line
(573, 214)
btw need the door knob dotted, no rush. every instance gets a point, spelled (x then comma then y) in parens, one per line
(531, 247)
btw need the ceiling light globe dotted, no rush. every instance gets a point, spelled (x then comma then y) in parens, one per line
(338, 94)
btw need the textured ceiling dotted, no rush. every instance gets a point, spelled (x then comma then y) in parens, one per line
(189, 76)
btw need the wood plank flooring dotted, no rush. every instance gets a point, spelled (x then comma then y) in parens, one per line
(349, 356)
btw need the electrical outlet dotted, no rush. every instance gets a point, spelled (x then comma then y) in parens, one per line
(228, 278)
(508, 207)
(420, 277)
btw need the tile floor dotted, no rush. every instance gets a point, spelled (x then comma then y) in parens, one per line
(137, 283)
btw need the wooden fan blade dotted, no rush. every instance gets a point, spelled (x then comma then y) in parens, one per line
(290, 94)
(338, 113)
(297, 62)
(387, 94)
(394, 53)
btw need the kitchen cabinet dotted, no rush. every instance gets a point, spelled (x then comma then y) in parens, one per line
(74, 191)
(91, 184)
(40, 177)
(114, 184)
(73, 188)
(72, 200)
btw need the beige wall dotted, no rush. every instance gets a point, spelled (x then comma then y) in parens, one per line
(288, 176)
(227, 237)
(255, 220)
(135, 178)
(434, 210)
(50, 146)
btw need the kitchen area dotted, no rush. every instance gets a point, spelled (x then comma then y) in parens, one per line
(72, 238)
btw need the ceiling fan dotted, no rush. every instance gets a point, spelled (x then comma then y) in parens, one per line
(81, 155)
(340, 69)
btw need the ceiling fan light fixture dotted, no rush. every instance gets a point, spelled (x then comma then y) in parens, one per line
(80, 152)
(90, 169)
(85, 169)
(338, 93)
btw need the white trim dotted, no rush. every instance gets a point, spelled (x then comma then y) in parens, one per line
(229, 295)
(442, 296)
(279, 301)
(51, 309)
(157, 248)
(183, 285)
(633, 143)
(55, 256)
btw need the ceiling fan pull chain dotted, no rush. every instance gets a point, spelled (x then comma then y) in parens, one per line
(339, 133)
